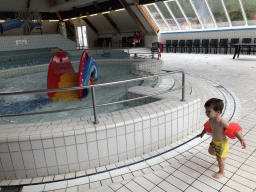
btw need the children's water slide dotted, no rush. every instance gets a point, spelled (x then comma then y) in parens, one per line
(15, 23)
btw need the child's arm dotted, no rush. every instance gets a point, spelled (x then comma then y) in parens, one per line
(241, 139)
(201, 134)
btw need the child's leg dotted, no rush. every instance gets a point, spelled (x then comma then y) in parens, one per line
(221, 163)
(211, 151)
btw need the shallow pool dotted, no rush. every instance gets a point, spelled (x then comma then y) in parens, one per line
(40, 102)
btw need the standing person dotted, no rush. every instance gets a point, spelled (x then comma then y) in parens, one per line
(220, 128)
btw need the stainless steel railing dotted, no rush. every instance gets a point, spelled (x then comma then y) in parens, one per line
(92, 87)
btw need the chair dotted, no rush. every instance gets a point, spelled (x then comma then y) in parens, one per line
(254, 48)
(232, 42)
(100, 42)
(244, 41)
(214, 45)
(96, 43)
(123, 42)
(189, 44)
(168, 45)
(182, 44)
(129, 41)
(174, 45)
(108, 42)
(205, 45)
(154, 48)
(223, 44)
(139, 43)
(196, 45)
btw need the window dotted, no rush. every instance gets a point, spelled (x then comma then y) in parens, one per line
(219, 13)
(203, 13)
(235, 13)
(81, 37)
(167, 15)
(250, 11)
(157, 17)
(175, 15)
(189, 11)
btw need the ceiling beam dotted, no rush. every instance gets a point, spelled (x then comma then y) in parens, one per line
(112, 23)
(134, 16)
(91, 25)
(95, 3)
(53, 3)
(147, 17)
(28, 4)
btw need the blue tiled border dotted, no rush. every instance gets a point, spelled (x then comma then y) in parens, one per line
(206, 31)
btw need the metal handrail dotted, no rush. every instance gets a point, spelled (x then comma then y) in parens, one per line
(92, 87)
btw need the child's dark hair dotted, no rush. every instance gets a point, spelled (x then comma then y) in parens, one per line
(217, 104)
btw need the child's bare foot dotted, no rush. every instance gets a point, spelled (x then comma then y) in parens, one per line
(218, 175)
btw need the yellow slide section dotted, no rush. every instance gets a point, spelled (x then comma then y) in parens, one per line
(67, 80)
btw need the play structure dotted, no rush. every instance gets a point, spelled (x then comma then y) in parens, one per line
(15, 23)
(61, 74)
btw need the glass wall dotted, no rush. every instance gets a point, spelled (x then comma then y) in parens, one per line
(190, 13)
(219, 13)
(235, 12)
(250, 11)
(202, 14)
(157, 17)
(172, 5)
(167, 14)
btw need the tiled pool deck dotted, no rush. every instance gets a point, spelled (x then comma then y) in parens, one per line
(188, 167)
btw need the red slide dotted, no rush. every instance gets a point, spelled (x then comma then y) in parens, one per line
(59, 66)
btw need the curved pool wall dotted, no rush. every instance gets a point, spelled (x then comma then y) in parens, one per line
(64, 146)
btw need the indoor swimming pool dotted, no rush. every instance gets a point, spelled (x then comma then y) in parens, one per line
(39, 102)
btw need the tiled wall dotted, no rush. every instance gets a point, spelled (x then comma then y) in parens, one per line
(214, 34)
(145, 68)
(49, 148)
(8, 43)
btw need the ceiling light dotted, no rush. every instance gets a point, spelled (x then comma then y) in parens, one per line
(73, 18)
(106, 12)
(93, 14)
(83, 16)
(53, 20)
(120, 9)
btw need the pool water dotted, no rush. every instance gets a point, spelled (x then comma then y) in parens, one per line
(39, 102)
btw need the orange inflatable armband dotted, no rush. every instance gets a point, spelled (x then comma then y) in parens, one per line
(208, 127)
(232, 130)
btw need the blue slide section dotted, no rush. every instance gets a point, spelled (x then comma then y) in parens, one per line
(90, 70)
(8, 25)
(15, 23)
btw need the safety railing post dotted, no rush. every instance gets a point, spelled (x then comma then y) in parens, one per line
(183, 86)
(94, 106)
